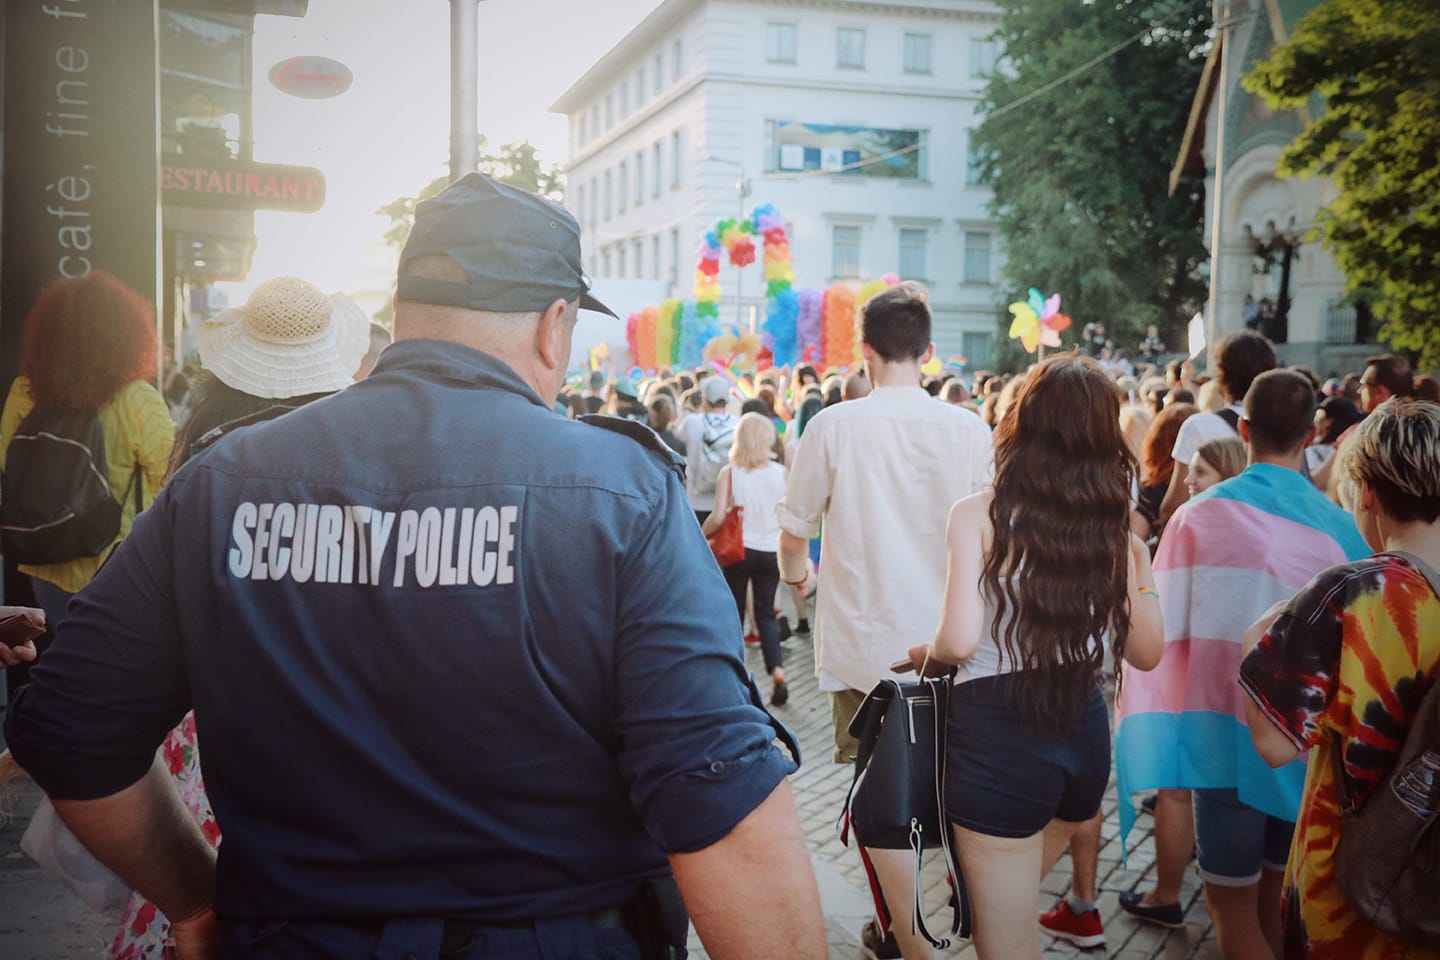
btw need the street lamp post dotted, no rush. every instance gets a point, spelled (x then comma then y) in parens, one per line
(464, 87)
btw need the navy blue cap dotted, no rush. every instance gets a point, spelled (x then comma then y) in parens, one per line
(520, 252)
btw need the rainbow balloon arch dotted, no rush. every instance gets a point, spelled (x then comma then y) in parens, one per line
(801, 326)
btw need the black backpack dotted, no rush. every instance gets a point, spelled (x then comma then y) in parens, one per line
(55, 497)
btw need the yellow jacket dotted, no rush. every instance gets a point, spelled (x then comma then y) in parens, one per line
(138, 430)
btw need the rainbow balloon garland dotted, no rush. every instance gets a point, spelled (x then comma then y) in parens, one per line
(811, 326)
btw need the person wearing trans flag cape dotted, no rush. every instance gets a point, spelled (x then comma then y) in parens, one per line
(1227, 556)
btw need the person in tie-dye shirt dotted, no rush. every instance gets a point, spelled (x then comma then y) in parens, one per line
(1351, 656)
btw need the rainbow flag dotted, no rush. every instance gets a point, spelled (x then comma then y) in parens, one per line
(1226, 557)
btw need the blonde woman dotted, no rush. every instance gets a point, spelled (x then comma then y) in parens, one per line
(754, 481)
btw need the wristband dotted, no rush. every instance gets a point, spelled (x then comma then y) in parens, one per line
(796, 583)
(1149, 592)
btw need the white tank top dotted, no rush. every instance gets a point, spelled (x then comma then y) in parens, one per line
(989, 659)
(758, 491)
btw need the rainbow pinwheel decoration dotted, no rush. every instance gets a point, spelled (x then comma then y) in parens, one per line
(1038, 321)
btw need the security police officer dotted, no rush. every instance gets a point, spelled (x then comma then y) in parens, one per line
(468, 680)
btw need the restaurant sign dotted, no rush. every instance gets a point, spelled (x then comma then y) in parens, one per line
(242, 186)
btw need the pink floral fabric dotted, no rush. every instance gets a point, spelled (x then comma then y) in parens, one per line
(144, 932)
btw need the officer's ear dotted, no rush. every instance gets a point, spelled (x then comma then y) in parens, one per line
(552, 341)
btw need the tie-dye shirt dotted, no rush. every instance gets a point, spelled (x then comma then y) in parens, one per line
(1354, 653)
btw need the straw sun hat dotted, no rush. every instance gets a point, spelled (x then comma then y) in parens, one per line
(288, 340)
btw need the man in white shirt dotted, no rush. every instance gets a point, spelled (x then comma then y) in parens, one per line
(1242, 357)
(879, 474)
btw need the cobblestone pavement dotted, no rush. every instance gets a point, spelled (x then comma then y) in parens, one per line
(39, 920)
(820, 788)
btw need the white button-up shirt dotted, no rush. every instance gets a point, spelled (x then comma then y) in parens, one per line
(882, 473)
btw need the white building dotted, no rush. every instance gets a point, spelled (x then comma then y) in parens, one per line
(852, 118)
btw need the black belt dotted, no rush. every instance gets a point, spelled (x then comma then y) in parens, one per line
(460, 933)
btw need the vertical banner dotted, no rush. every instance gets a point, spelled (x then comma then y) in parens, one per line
(81, 152)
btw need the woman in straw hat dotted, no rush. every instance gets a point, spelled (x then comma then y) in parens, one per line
(288, 345)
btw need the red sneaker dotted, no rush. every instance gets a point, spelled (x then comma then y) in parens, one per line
(752, 638)
(1083, 929)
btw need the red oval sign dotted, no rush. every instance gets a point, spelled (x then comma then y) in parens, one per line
(314, 78)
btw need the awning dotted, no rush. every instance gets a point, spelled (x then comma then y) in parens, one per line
(1190, 164)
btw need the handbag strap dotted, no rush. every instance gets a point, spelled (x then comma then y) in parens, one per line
(1348, 801)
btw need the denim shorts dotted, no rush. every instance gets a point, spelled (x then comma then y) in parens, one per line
(1235, 842)
(1004, 778)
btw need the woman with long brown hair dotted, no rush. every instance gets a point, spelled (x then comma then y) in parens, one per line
(1043, 570)
(89, 348)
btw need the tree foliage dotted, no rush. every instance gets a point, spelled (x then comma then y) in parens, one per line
(1377, 137)
(1081, 171)
(517, 164)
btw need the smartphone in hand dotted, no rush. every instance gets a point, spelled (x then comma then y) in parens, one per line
(902, 666)
(20, 625)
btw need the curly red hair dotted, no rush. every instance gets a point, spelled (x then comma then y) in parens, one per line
(1156, 463)
(84, 339)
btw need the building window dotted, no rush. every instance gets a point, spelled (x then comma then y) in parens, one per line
(850, 151)
(846, 260)
(583, 134)
(609, 110)
(912, 254)
(624, 100)
(609, 193)
(655, 257)
(594, 120)
(982, 58)
(917, 53)
(677, 61)
(594, 202)
(605, 262)
(639, 265)
(675, 160)
(675, 256)
(974, 171)
(976, 349)
(639, 177)
(657, 75)
(620, 260)
(623, 200)
(580, 205)
(977, 257)
(639, 87)
(657, 167)
(850, 48)
(780, 42)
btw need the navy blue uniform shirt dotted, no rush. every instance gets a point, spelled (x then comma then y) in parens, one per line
(450, 655)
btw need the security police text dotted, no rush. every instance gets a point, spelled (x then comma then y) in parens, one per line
(329, 543)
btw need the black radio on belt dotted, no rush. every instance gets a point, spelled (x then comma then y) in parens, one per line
(656, 916)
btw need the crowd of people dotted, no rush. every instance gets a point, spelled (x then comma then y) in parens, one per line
(468, 681)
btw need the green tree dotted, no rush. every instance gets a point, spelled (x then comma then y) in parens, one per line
(517, 164)
(1377, 137)
(1080, 164)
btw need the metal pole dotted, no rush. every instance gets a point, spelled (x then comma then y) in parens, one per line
(464, 87)
(740, 272)
(1217, 206)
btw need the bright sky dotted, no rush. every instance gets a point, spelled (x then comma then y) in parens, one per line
(389, 134)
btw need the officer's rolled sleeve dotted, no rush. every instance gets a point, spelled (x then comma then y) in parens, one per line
(695, 749)
(102, 698)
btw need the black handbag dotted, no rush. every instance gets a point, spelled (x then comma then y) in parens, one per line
(896, 799)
